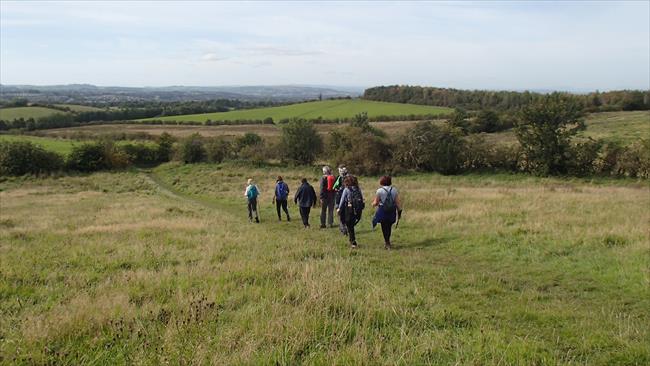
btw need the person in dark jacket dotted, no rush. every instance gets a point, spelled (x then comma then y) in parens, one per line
(351, 206)
(327, 195)
(305, 198)
(280, 198)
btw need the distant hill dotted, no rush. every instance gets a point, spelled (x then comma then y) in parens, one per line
(92, 94)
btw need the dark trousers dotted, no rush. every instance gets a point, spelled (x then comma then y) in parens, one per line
(304, 215)
(283, 204)
(350, 226)
(386, 229)
(252, 206)
(327, 210)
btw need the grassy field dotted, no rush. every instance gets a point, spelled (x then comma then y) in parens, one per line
(9, 114)
(61, 146)
(328, 109)
(80, 108)
(621, 127)
(162, 267)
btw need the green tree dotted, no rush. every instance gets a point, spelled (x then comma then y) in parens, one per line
(545, 131)
(300, 141)
(192, 149)
(165, 145)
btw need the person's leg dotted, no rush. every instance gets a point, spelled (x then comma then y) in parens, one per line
(342, 225)
(304, 215)
(306, 221)
(285, 209)
(386, 229)
(351, 234)
(330, 210)
(323, 213)
(278, 203)
(254, 205)
(250, 210)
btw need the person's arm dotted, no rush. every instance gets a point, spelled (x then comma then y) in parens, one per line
(246, 191)
(313, 196)
(398, 202)
(376, 200)
(297, 195)
(344, 196)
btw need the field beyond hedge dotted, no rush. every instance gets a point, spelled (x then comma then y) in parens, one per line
(162, 267)
(10, 114)
(327, 109)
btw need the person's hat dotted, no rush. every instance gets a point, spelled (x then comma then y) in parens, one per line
(250, 180)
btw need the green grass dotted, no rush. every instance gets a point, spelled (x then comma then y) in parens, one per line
(163, 267)
(328, 109)
(61, 146)
(80, 108)
(9, 114)
(621, 127)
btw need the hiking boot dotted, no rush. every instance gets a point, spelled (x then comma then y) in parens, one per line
(323, 226)
(257, 220)
(288, 218)
(388, 246)
(354, 245)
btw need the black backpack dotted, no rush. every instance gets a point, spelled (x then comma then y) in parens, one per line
(355, 202)
(389, 202)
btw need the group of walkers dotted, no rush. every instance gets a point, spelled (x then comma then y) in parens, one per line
(337, 193)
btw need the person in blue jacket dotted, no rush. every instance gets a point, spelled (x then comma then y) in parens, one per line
(280, 198)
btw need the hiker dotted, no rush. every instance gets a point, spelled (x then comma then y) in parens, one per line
(280, 197)
(251, 193)
(305, 198)
(327, 195)
(389, 208)
(351, 206)
(338, 188)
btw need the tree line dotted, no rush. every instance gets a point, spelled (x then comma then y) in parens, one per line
(619, 100)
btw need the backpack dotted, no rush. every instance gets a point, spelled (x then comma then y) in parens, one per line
(252, 192)
(330, 183)
(389, 202)
(281, 191)
(355, 202)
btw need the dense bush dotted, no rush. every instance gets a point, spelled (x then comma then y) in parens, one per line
(165, 147)
(191, 149)
(140, 153)
(428, 147)
(218, 150)
(93, 156)
(300, 142)
(362, 150)
(19, 158)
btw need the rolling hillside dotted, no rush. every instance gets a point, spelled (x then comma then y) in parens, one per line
(10, 114)
(328, 109)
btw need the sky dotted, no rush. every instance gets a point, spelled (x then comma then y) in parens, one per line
(576, 46)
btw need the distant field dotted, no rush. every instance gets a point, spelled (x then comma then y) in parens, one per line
(622, 127)
(60, 146)
(234, 130)
(9, 114)
(79, 108)
(328, 109)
